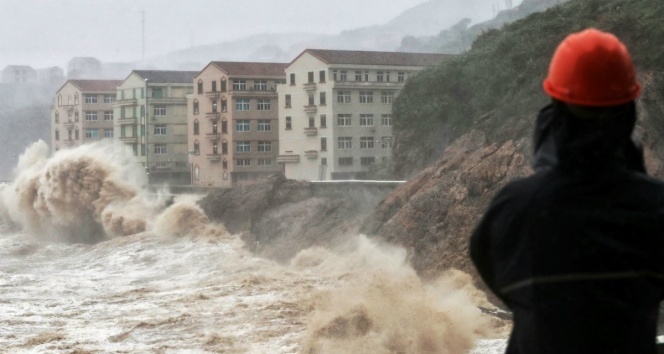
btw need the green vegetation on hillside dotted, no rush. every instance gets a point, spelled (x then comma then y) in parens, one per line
(496, 85)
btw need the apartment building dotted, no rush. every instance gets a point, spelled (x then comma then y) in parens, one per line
(12, 74)
(233, 122)
(151, 117)
(336, 110)
(82, 112)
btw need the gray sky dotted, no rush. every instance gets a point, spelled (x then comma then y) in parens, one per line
(43, 33)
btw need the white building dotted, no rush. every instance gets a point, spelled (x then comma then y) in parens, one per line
(336, 110)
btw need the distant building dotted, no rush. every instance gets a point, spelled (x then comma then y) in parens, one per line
(158, 138)
(84, 68)
(52, 75)
(336, 110)
(82, 112)
(233, 122)
(18, 74)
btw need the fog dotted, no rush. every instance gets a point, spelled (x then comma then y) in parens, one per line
(45, 33)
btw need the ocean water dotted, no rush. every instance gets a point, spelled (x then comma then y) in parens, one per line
(89, 263)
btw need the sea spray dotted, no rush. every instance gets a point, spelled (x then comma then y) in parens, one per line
(184, 218)
(83, 194)
(384, 307)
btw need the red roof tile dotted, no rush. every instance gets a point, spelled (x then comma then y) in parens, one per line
(358, 57)
(97, 85)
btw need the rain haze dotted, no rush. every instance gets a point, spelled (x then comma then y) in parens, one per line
(44, 33)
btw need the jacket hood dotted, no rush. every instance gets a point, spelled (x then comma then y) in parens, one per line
(586, 144)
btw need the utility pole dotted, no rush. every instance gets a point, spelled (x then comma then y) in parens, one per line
(143, 36)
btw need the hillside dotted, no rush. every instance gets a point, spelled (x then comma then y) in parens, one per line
(496, 86)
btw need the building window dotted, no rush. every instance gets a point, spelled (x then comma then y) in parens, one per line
(196, 107)
(386, 142)
(242, 162)
(345, 143)
(160, 129)
(379, 76)
(344, 120)
(92, 134)
(264, 162)
(242, 146)
(312, 122)
(365, 161)
(242, 104)
(323, 161)
(321, 76)
(343, 75)
(200, 87)
(323, 144)
(90, 98)
(386, 120)
(224, 126)
(292, 79)
(157, 92)
(366, 120)
(242, 125)
(108, 115)
(366, 75)
(224, 165)
(159, 111)
(108, 132)
(334, 75)
(109, 98)
(57, 134)
(358, 75)
(288, 123)
(343, 97)
(224, 107)
(215, 148)
(57, 117)
(224, 147)
(387, 97)
(197, 147)
(76, 116)
(160, 149)
(264, 146)
(239, 85)
(366, 96)
(387, 76)
(263, 104)
(401, 76)
(76, 99)
(196, 127)
(366, 142)
(345, 161)
(197, 173)
(288, 101)
(59, 100)
(322, 99)
(90, 116)
(323, 121)
(260, 85)
(223, 84)
(264, 125)
(310, 77)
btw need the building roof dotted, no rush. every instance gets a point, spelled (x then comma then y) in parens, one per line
(97, 85)
(21, 67)
(358, 57)
(251, 69)
(166, 76)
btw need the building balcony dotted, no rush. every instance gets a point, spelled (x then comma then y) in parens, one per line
(69, 143)
(128, 139)
(250, 92)
(310, 86)
(69, 107)
(125, 102)
(167, 100)
(311, 131)
(213, 94)
(310, 109)
(312, 154)
(131, 120)
(369, 85)
(212, 115)
(288, 158)
(213, 136)
(213, 157)
(68, 123)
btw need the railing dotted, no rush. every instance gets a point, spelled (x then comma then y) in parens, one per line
(128, 139)
(311, 131)
(212, 115)
(213, 136)
(311, 154)
(310, 86)
(288, 158)
(131, 120)
(310, 109)
(213, 157)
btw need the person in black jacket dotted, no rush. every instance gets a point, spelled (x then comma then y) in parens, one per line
(576, 250)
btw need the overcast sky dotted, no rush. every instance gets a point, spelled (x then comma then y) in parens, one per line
(44, 33)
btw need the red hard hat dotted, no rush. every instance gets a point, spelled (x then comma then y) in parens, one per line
(592, 68)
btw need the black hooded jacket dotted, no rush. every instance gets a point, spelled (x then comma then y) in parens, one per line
(576, 250)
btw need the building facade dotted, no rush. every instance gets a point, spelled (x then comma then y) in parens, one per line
(151, 117)
(233, 123)
(336, 110)
(82, 112)
(13, 74)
